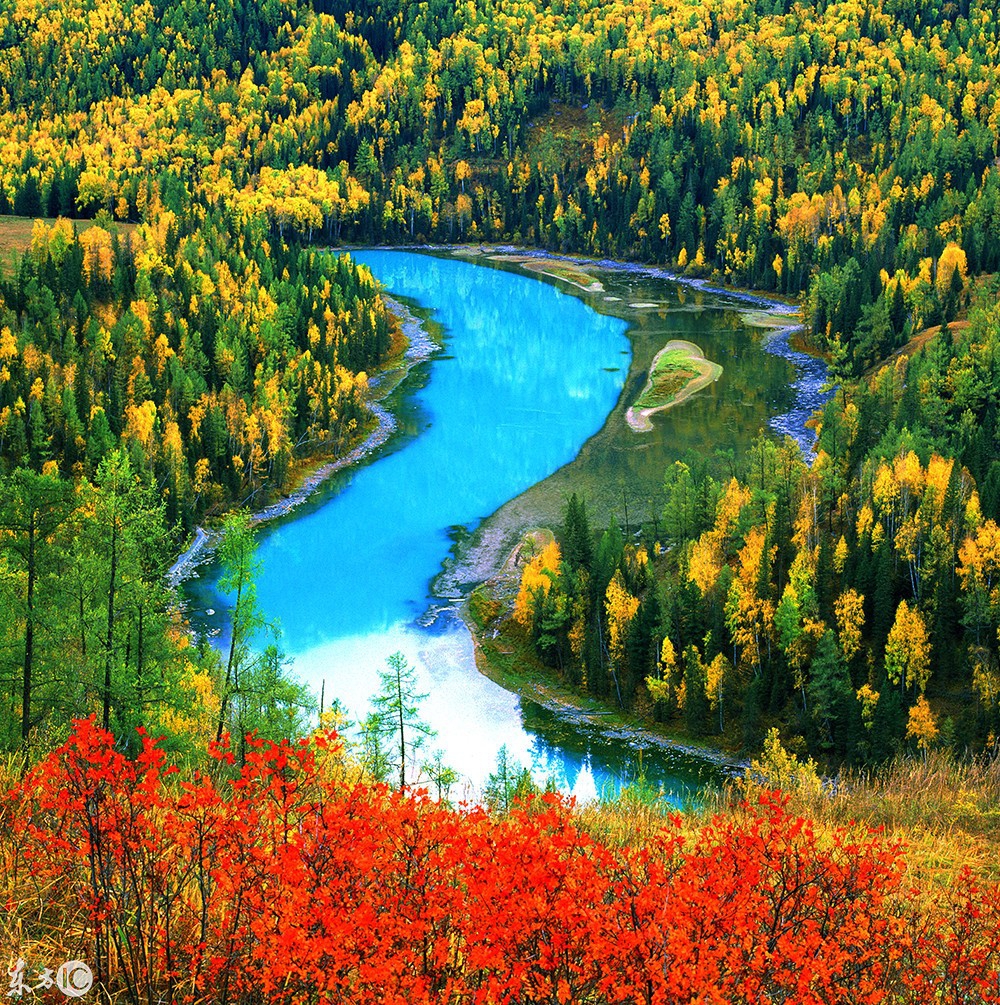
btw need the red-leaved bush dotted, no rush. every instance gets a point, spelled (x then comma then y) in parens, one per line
(290, 884)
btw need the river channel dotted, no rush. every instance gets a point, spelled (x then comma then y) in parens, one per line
(522, 402)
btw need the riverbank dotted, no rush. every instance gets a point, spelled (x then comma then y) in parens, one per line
(419, 347)
(481, 570)
(567, 271)
(504, 655)
(483, 554)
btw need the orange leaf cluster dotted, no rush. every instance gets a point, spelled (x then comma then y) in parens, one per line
(287, 883)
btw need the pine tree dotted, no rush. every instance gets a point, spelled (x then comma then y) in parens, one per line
(397, 706)
(577, 545)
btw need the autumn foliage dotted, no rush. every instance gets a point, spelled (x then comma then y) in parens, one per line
(292, 880)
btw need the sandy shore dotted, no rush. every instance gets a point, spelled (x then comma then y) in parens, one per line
(419, 348)
(563, 269)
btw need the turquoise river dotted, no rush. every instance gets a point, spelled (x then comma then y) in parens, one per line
(523, 376)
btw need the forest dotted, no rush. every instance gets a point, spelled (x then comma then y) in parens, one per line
(196, 334)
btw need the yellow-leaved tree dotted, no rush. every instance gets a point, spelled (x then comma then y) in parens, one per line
(922, 726)
(777, 768)
(908, 650)
(620, 607)
(536, 579)
(663, 687)
(849, 608)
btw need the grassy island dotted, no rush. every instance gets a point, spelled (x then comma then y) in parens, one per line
(678, 370)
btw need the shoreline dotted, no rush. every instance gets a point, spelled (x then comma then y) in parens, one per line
(420, 347)
(571, 706)
(760, 299)
(809, 381)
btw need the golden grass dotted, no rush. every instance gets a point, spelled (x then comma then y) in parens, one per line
(944, 811)
(15, 234)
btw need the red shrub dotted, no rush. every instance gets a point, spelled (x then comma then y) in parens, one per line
(276, 884)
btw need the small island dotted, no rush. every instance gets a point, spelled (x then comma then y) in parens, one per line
(555, 268)
(678, 370)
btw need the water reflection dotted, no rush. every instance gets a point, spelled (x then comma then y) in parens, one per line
(588, 761)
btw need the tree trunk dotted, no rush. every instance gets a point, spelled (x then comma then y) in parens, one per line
(110, 640)
(402, 733)
(230, 662)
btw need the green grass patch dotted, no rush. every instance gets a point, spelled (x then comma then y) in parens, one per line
(672, 371)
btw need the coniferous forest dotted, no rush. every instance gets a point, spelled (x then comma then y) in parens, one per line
(180, 341)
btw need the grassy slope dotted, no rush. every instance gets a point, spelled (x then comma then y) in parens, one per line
(945, 814)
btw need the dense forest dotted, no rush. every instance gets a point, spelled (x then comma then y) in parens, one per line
(180, 354)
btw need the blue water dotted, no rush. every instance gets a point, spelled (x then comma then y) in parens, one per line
(518, 390)
(525, 376)
(811, 390)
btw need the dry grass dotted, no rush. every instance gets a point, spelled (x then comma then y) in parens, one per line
(942, 793)
(630, 820)
(15, 234)
(945, 811)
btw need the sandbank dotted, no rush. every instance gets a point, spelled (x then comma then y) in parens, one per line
(700, 372)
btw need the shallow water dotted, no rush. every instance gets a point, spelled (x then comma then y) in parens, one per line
(526, 375)
(809, 385)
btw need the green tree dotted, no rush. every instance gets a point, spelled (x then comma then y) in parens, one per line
(830, 692)
(33, 508)
(257, 693)
(240, 569)
(696, 706)
(509, 782)
(270, 702)
(442, 775)
(576, 541)
(374, 755)
(397, 707)
(127, 545)
(680, 511)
